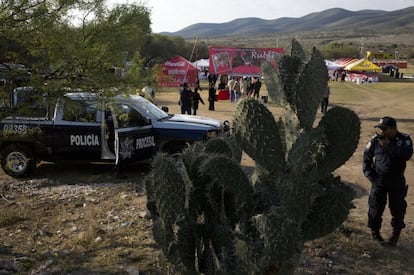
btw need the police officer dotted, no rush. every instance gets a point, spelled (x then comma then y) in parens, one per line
(384, 163)
(186, 99)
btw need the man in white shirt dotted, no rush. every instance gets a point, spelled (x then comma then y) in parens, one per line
(230, 84)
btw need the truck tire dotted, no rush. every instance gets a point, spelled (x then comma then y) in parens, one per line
(17, 160)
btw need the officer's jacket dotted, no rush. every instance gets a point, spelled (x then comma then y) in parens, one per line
(387, 162)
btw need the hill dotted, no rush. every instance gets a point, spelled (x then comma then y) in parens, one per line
(336, 19)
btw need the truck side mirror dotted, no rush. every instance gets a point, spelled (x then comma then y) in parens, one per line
(165, 109)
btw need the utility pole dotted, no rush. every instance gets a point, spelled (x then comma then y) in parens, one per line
(191, 56)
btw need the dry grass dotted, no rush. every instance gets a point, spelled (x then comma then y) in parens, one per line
(8, 218)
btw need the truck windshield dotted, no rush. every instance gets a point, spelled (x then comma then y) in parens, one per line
(148, 109)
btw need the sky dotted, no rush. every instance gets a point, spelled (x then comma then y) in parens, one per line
(172, 16)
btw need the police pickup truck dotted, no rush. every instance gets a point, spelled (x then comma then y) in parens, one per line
(89, 127)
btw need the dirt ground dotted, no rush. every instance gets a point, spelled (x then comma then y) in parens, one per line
(78, 219)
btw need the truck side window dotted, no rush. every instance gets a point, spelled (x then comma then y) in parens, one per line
(127, 116)
(28, 102)
(79, 111)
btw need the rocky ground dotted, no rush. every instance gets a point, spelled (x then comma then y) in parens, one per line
(78, 223)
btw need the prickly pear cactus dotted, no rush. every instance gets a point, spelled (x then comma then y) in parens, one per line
(210, 217)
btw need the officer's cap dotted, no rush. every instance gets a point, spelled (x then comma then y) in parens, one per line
(386, 122)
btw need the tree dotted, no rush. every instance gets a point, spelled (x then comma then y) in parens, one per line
(160, 48)
(21, 21)
(335, 50)
(73, 43)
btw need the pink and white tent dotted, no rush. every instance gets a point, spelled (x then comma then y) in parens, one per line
(343, 62)
(176, 71)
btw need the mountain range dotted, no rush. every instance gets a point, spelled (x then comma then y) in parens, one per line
(336, 19)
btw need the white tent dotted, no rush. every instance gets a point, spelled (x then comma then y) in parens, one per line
(202, 63)
(332, 65)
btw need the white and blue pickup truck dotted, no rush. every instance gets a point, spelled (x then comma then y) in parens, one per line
(89, 127)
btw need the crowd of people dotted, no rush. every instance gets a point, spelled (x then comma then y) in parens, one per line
(237, 87)
(189, 100)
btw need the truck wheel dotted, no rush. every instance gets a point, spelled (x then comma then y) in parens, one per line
(17, 160)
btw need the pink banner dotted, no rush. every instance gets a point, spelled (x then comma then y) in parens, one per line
(177, 71)
(241, 61)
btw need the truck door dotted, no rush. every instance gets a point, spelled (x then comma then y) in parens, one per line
(134, 137)
(108, 135)
(77, 130)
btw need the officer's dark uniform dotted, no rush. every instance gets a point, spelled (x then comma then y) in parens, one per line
(385, 169)
(186, 96)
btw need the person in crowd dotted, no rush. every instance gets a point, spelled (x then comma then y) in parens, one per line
(256, 88)
(336, 75)
(186, 99)
(384, 163)
(230, 85)
(244, 84)
(223, 82)
(196, 99)
(325, 99)
(212, 78)
(237, 89)
(211, 96)
(250, 89)
(197, 86)
(343, 76)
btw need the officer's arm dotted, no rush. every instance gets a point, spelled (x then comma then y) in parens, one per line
(403, 152)
(407, 149)
(368, 162)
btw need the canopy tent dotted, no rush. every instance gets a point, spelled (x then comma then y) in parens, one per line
(176, 71)
(202, 63)
(330, 65)
(202, 66)
(362, 65)
(343, 62)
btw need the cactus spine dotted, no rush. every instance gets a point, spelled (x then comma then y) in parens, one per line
(211, 217)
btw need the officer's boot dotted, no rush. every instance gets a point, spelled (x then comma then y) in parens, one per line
(392, 241)
(376, 235)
